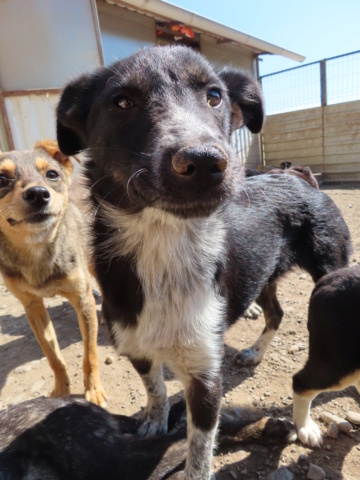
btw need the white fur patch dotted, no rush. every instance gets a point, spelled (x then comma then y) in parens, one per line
(307, 430)
(200, 448)
(175, 260)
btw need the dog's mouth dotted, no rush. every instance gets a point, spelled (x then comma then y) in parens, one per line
(186, 206)
(33, 218)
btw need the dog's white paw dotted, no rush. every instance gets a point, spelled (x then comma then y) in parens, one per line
(253, 312)
(248, 356)
(150, 428)
(310, 434)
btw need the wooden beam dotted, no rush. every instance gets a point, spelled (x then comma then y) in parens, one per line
(6, 120)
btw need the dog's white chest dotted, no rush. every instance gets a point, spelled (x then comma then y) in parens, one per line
(175, 261)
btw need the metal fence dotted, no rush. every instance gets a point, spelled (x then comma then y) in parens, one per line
(326, 82)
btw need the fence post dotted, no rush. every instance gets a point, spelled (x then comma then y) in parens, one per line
(323, 82)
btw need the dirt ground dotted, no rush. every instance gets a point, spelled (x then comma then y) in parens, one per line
(25, 373)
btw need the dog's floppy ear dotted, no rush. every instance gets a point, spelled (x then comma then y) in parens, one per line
(246, 98)
(52, 148)
(71, 114)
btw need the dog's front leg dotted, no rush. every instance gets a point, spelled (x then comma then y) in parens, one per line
(203, 398)
(82, 299)
(43, 329)
(157, 409)
(199, 368)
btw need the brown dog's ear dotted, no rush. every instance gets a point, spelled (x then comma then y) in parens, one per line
(52, 148)
(72, 112)
(246, 99)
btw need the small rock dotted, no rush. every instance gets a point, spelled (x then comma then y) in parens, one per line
(281, 474)
(297, 348)
(109, 360)
(315, 472)
(343, 425)
(332, 430)
(353, 417)
(22, 369)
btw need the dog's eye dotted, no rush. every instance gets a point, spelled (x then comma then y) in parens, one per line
(125, 103)
(4, 181)
(52, 174)
(213, 98)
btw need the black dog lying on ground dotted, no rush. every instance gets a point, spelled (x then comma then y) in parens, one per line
(182, 244)
(65, 439)
(334, 355)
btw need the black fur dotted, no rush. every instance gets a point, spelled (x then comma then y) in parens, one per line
(334, 329)
(66, 439)
(275, 223)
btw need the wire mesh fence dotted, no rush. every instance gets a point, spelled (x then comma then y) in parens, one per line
(343, 78)
(294, 89)
(330, 81)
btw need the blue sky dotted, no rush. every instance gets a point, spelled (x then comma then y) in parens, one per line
(316, 29)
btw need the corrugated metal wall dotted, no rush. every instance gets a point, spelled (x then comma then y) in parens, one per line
(31, 118)
(325, 138)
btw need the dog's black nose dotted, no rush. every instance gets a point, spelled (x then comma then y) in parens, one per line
(203, 166)
(38, 196)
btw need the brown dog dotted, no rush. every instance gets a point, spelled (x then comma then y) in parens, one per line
(44, 253)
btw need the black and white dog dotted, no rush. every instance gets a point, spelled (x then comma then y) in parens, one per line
(182, 246)
(334, 354)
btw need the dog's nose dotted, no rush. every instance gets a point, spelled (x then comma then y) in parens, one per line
(200, 165)
(38, 196)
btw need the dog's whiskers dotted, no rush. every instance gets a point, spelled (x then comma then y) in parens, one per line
(8, 207)
(136, 174)
(101, 200)
(97, 181)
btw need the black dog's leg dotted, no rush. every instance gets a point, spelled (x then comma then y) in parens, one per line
(157, 409)
(273, 315)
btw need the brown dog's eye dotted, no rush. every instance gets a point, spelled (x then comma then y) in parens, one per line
(52, 174)
(125, 103)
(213, 98)
(4, 181)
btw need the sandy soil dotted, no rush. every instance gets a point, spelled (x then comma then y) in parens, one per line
(24, 372)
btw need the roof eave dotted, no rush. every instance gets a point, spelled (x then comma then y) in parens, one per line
(166, 10)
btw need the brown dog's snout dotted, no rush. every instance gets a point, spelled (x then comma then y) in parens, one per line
(205, 165)
(36, 196)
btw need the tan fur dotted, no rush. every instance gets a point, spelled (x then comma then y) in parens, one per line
(48, 257)
(41, 164)
(8, 166)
